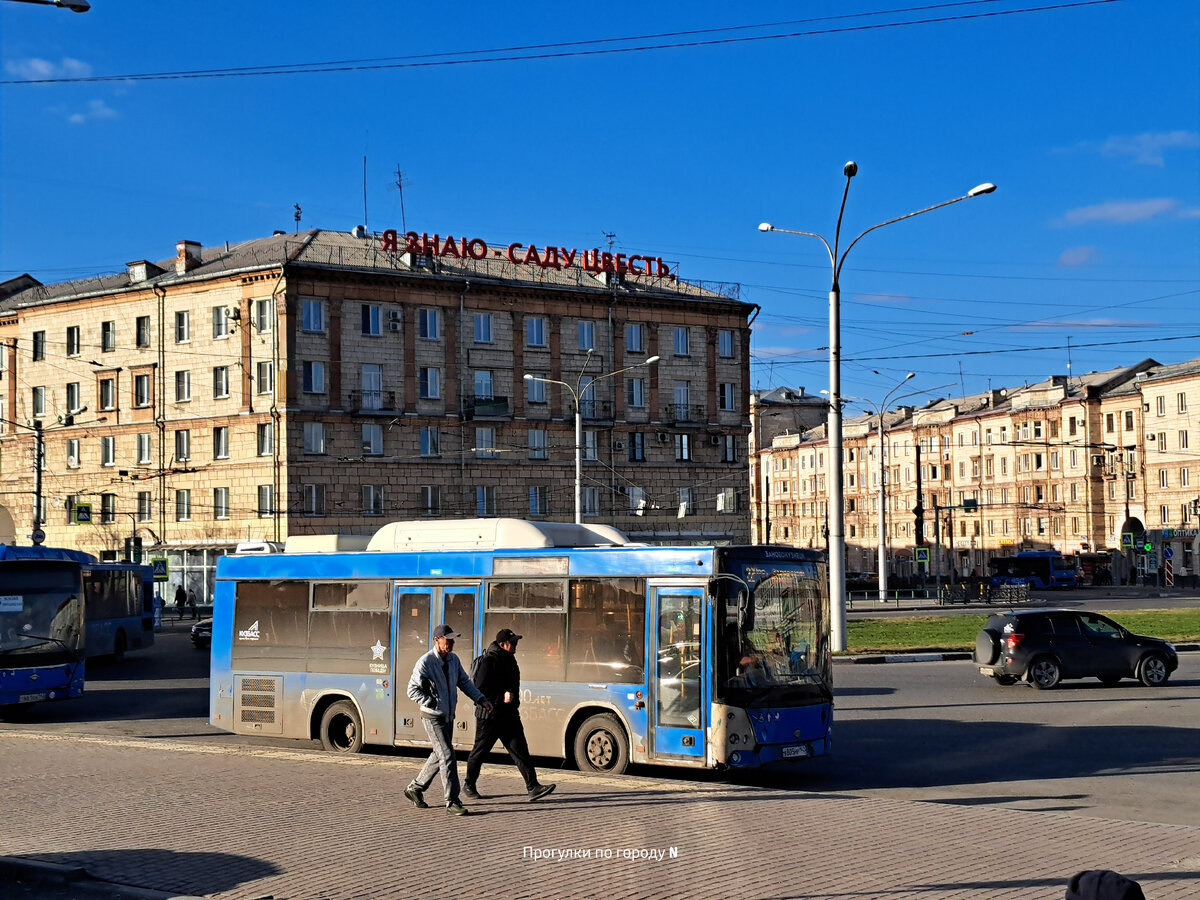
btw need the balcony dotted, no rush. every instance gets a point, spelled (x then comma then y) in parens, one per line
(596, 410)
(492, 407)
(683, 413)
(374, 402)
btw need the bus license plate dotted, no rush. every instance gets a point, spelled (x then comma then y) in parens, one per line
(31, 698)
(796, 751)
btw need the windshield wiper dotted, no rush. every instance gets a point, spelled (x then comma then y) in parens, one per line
(44, 640)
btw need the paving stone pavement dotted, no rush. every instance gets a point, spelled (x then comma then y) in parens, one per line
(236, 822)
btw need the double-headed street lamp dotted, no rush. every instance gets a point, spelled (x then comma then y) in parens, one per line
(576, 390)
(836, 511)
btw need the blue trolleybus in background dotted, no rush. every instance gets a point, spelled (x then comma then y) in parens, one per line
(685, 656)
(41, 628)
(1040, 569)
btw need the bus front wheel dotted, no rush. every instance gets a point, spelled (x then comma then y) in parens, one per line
(341, 728)
(601, 746)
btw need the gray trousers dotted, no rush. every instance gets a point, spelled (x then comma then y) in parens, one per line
(441, 759)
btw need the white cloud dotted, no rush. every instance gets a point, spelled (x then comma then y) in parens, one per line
(1147, 149)
(1060, 325)
(890, 299)
(1077, 256)
(1120, 212)
(96, 109)
(35, 69)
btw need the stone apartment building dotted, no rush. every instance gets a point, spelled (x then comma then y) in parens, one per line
(1083, 465)
(324, 382)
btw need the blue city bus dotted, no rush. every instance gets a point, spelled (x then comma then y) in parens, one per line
(41, 628)
(1041, 569)
(685, 656)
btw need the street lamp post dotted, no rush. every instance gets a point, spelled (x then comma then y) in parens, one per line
(576, 390)
(836, 511)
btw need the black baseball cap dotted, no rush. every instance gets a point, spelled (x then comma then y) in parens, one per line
(445, 631)
(507, 636)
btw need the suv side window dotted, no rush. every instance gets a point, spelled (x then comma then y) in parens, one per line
(1034, 624)
(1100, 627)
(1064, 623)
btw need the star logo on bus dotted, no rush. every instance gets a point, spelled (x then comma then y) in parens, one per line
(377, 650)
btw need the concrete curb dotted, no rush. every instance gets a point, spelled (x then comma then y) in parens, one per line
(878, 659)
(76, 878)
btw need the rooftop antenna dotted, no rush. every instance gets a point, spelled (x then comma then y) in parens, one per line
(611, 237)
(297, 216)
(366, 221)
(961, 383)
(1069, 364)
(400, 187)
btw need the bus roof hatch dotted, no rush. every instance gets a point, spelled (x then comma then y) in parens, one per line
(491, 534)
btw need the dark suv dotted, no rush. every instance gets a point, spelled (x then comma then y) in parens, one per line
(1044, 646)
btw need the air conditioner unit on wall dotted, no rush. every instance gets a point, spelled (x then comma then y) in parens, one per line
(618, 445)
(393, 326)
(663, 437)
(714, 440)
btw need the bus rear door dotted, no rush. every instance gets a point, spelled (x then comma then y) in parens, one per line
(679, 689)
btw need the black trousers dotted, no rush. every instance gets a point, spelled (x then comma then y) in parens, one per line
(505, 727)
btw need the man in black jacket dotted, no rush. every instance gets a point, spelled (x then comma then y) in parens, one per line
(498, 678)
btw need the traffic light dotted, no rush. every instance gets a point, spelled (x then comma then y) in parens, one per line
(919, 528)
(133, 549)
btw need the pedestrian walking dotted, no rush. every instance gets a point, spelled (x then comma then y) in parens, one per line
(192, 604)
(436, 680)
(158, 610)
(180, 601)
(498, 678)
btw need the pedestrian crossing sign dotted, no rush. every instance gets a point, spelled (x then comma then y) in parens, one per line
(83, 514)
(922, 554)
(161, 569)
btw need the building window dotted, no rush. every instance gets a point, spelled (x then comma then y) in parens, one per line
(73, 453)
(1162, 478)
(37, 401)
(371, 321)
(431, 441)
(483, 384)
(587, 335)
(73, 340)
(220, 322)
(727, 501)
(1181, 401)
(485, 441)
(1129, 417)
(483, 328)
(314, 377)
(221, 503)
(685, 502)
(589, 500)
(314, 499)
(108, 337)
(590, 451)
(314, 437)
(266, 500)
(141, 391)
(262, 315)
(635, 337)
(535, 332)
(1164, 514)
(183, 327)
(427, 324)
(429, 387)
(431, 499)
(537, 444)
(725, 396)
(108, 394)
(535, 389)
(72, 396)
(1183, 440)
(539, 501)
(725, 343)
(221, 442)
(637, 446)
(145, 506)
(108, 509)
(142, 331)
(1160, 409)
(143, 448)
(183, 386)
(372, 440)
(312, 316)
(728, 448)
(1108, 423)
(635, 393)
(1162, 441)
(485, 501)
(682, 344)
(220, 382)
(683, 447)
(264, 377)
(183, 506)
(372, 500)
(266, 438)
(637, 500)
(682, 394)
(372, 386)
(38, 350)
(1184, 478)
(183, 445)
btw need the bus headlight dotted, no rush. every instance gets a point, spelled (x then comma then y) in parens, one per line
(735, 758)
(733, 739)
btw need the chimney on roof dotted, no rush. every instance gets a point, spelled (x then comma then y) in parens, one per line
(187, 256)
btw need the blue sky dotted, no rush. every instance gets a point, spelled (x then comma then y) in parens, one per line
(1086, 116)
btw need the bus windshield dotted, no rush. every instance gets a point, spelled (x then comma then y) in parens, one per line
(773, 640)
(40, 611)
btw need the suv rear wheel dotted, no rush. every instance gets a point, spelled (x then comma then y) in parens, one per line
(1045, 673)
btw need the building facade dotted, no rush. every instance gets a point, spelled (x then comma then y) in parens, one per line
(327, 382)
(1083, 465)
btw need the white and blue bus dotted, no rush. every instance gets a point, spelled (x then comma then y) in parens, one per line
(686, 656)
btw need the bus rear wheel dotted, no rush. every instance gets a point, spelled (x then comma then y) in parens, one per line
(341, 728)
(601, 746)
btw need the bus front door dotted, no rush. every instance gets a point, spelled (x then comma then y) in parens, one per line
(458, 611)
(679, 689)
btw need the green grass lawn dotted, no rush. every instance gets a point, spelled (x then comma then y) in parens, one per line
(919, 633)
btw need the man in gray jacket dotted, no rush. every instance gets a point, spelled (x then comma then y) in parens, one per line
(436, 680)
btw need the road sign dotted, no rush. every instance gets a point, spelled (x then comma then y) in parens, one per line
(162, 571)
(922, 554)
(1127, 539)
(1168, 553)
(37, 536)
(83, 514)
